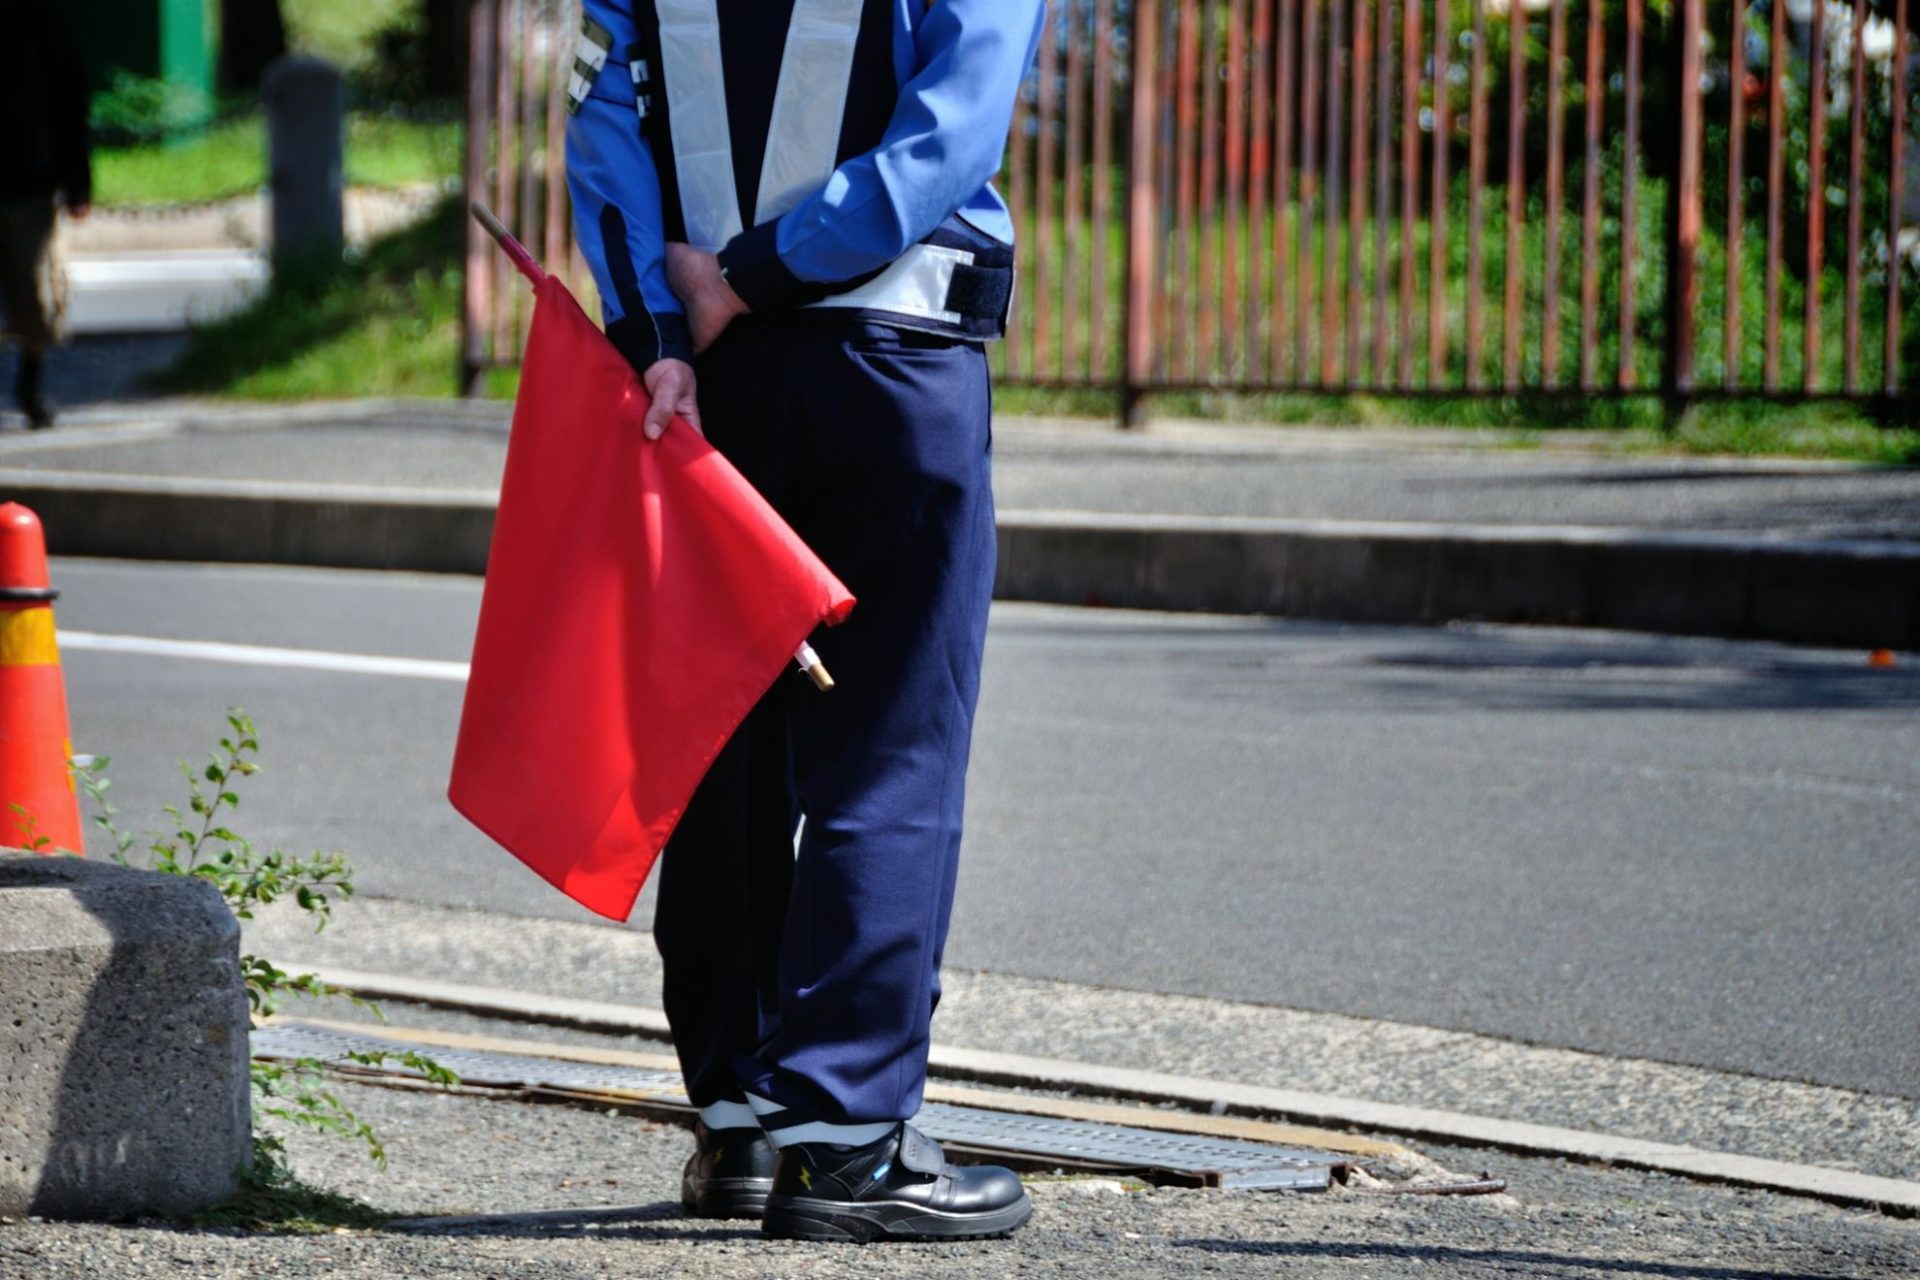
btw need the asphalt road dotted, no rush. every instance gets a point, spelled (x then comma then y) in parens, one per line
(1688, 850)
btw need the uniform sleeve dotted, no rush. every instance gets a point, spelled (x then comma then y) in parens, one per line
(942, 145)
(616, 193)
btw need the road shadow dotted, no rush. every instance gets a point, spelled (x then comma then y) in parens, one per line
(664, 1220)
(1304, 663)
(1515, 1261)
(1680, 473)
(92, 370)
(1540, 671)
(1499, 677)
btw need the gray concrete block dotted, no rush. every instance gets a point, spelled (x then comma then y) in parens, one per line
(123, 1041)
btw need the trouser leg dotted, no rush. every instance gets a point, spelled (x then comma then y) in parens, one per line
(27, 381)
(819, 978)
(893, 491)
(727, 872)
(725, 879)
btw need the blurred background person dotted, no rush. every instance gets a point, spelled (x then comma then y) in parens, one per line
(45, 162)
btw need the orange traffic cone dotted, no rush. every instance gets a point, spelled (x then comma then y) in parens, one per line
(38, 806)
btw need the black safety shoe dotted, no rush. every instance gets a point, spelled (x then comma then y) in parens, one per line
(730, 1173)
(899, 1188)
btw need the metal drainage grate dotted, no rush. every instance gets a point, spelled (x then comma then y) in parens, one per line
(1221, 1162)
(294, 1039)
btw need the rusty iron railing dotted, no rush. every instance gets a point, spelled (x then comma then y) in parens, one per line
(1397, 197)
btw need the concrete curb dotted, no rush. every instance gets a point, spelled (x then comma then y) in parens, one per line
(260, 522)
(1864, 594)
(1855, 594)
(1836, 1186)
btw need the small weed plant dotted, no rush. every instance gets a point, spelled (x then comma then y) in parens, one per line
(202, 844)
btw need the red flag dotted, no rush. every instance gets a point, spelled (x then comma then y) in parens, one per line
(641, 596)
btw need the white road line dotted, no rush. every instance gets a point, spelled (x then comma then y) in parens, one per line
(255, 655)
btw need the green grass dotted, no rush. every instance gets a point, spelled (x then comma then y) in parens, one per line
(387, 324)
(1738, 428)
(340, 31)
(230, 159)
(386, 151)
(225, 160)
(288, 1206)
(1758, 429)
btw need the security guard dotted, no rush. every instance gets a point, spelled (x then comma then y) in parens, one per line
(797, 191)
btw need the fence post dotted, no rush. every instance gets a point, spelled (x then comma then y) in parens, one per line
(306, 112)
(1684, 211)
(477, 296)
(1142, 218)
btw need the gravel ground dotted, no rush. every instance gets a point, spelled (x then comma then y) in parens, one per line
(459, 1154)
(1377, 1060)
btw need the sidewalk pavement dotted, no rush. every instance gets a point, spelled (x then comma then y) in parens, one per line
(552, 1191)
(156, 269)
(239, 222)
(530, 1164)
(1359, 525)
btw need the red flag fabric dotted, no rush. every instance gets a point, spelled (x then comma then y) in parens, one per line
(641, 596)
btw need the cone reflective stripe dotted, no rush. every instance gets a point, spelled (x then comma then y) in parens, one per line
(640, 598)
(34, 741)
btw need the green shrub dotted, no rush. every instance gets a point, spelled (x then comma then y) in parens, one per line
(201, 844)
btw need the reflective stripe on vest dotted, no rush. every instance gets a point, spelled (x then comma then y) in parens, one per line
(802, 149)
(697, 116)
(803, 137)
(915, 285)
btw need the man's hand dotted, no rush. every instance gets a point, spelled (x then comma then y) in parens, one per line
(670, 383)
(710, 301)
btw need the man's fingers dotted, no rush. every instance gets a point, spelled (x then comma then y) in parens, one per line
(659, 414)
(670, 384)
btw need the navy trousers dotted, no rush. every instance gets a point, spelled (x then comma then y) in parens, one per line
(809, 978)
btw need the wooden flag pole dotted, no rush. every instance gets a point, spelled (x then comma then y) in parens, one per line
(509, 245)
(807, 660)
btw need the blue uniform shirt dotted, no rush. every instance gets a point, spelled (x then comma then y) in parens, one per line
(956, 66)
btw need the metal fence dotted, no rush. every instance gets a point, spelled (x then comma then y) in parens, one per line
(1440, 197)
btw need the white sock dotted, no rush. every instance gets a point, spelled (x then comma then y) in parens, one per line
(845, 1135)
(729, 1115)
